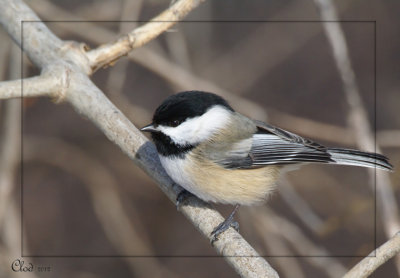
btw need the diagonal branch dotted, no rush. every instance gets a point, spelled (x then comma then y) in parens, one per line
(377, 258)
(109, 53)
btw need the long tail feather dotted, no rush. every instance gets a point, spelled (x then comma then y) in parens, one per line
(358, 158)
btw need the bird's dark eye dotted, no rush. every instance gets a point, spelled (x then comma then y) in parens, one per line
(175, 123)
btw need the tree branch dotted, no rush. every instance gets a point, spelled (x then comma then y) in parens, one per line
(376, 258)
(13, 14)
(109, 53)
(43, 85)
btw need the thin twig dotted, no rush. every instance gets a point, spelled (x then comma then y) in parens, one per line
(109, 53)
(376, 258)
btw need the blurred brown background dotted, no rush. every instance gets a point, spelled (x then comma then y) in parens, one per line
(83, 197)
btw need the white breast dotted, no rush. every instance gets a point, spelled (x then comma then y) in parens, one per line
(175, 168)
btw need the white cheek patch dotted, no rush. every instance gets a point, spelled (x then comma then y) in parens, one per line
(196, 130)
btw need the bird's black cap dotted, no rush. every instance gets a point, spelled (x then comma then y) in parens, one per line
(185, 105)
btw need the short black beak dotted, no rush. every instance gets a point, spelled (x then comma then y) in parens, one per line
(149, 128)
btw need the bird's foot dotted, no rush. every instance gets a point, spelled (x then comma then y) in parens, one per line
(182, 198)
(222, 228)
(225, 225)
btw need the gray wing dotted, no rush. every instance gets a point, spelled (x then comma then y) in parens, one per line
(271, 145)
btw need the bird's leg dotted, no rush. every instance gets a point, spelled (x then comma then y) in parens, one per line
(183, 195)
(228, 222)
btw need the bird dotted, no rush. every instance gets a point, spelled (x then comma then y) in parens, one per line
(222, 156)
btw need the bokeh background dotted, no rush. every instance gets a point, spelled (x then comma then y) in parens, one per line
(88, 211)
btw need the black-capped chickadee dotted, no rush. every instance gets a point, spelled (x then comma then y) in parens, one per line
(221, 156)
